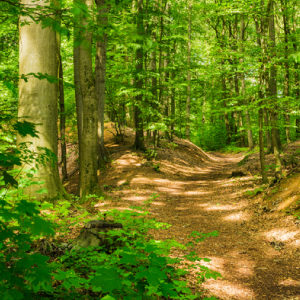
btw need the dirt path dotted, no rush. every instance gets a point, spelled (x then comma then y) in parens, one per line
(257, 253)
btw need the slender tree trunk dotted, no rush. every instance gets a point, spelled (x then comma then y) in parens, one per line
(243, 88)
(188, 100)
(139, 133)
(38, 102)
(297, 96)
(268, 135)
(100, 74)
(261, 148)
(286, 67)
(62, 113)
(88, 180)
(273, 94)
(226, 117)
(154, 92)
(78, 94)
(62, 123)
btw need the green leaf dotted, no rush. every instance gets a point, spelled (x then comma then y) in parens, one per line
(8, 179)
(152, 274)
(42, 191)
(108, 280)
(108, 297)
(128, 259)
(26, 128)
(168, 290)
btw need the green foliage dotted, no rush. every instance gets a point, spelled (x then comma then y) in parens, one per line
(234, 149)
(23, 272)
(255, 192)
(140, 268)
(151, 154)
(211, 136)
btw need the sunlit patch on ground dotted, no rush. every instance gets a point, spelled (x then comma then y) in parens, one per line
(281, 234)
(240, 216)
(136, 198)
(225, 207)
(229, 290)
(290, 282)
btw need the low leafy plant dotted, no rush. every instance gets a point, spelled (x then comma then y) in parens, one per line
(23, 273)
(255, 191)
(156, 167)
(141, 268)
(151, 154)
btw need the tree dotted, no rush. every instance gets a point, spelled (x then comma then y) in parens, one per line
(88, 180)
(139, 133)
(38, 99)
(100, 74)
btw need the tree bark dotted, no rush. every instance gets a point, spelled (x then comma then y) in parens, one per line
(139, 132)
(267, 130)
(188, 100)
(100, 74)
(286, 67)
(38, 102)
(243, 88)
(62, 123)
(88, 181)
(62, 113)
(273, 95)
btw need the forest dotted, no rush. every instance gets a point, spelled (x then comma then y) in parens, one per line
(150, 149)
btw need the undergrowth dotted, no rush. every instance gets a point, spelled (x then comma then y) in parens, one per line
(132, 265)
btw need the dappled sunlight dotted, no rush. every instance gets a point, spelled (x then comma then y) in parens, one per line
(228, 289)
(225, 207)
(296, 243)
(290, 282)
(120, 182)
(240, 216)
(279, 234)
(102, 204)
(197, 193)
(216, 264)
(126, 162)
(158, 203)
(136, 198)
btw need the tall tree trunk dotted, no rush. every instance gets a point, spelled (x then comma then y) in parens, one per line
(78, 94)
(286, 67)
(62, 113)
(88, 181)
(273, 95)
(261, 147)
(62, 122)
(226, 117)
(267, 130)
(38, 101)
(139, 133)
(243, 88)
(188, 100)
(100, 74)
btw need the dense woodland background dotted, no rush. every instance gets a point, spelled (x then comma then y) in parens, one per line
(221, 74)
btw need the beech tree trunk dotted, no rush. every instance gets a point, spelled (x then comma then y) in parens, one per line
(100, 74)
(38, 102)
(88, 181)
(243, 88)
(188, 100)
(286, 67)
(273, 95)
(62, 113)
(139, 132)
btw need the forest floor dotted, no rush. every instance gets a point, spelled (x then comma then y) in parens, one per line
(258, 247)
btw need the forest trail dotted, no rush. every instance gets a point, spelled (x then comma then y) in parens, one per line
(257, 253)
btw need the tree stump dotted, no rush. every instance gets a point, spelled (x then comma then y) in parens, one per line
(94, 234)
